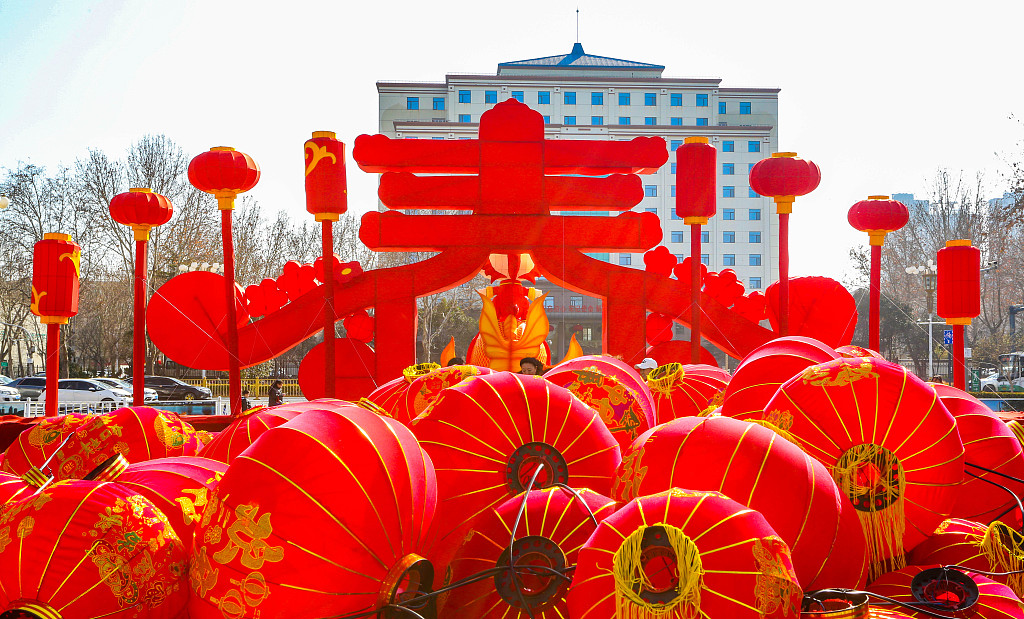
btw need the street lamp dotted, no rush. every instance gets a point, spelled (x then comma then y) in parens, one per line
(4, 202)
(928, 273)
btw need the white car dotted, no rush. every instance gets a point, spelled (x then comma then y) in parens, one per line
(148, 395)
(9, 394)
(86, 390)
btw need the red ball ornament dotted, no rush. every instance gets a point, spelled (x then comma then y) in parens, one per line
(142, 210)
(658, 328)
(784, 176)
(878, 215)
(225, 173)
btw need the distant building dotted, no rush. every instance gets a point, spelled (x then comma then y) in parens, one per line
(911, 203)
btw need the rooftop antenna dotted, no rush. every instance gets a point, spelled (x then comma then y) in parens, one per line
(577, 24)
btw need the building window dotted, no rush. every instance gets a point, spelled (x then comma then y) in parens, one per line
(623, 120)
(728, 191)
(705, 236)
(597, 120)
(723, 123)
(729, 260)
(623, 98)
(437, 137)
(680, 257)
(625, 260)
(673, 191)
(744, 107)
(465, 96)
(755, 237)
(597, 98)
(728, 168)
(519, 96)
(675, 121)
(729, 237)
(464, 118)
(750, 166)
(673, 168)
(751, 193)
(705, 259)
(728, 214)
(754, 214)
(674, 215)
(412, 103)
(702, 100)
(490, 96)
(754, 146)
(755, 283)
(674, 144)
(569, 120)
(650, 120)
(721, 107)
(728, 146)
(569, 98)
(651, 191)
(651, 209)
(650, 98)
(575, 301)
(702, 122)
(677, 237)
(549, 302)
(676, 99)
(543, 97)
(547, 120)
(755, 260)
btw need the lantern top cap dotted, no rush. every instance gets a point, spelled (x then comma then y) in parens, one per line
(222, 148)
(787, 154)
(878, 197)
(696, 139)
(140, 190)
(325, 134)
(59, 236)
(959, 243)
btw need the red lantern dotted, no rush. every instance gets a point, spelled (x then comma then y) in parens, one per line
(89, 549)
(878, 215)
(759, 375)
(944, 592)
(487, 436)
(613, 389)
(12, 488)
(55, 272)
(752, 464)
(819, 307)
(553, 527)
(783, 177)
(685, 390)
(975, 546)
(659, 328)
(142, 210)
(424, 389)
(36, 444)
(321, 516)
(847, 565)
(391, 396)
(959, 296)
(326, 189)
(684, 553)
(890, 443)
(696, 180)
(243, 431)
(852, 352)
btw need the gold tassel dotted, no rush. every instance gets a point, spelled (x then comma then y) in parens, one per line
(413, 372)
(885, 526)
(663, 378)
(630, 578)
(774, 428)
(1004, 549)
(1017, 429)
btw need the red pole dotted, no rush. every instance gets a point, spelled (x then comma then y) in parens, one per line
(783, 274)
(52, 367)
(959, 366)
(695, 293)
(328, 264)
(139, 330)
(874, 310)
(234, 370)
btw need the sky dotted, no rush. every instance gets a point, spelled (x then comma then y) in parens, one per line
(879, 94)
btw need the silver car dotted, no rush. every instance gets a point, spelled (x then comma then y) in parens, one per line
(148, 395)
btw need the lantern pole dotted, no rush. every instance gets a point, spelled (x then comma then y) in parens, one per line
(959, 362)
(875, 305)
(139, 329)
(784, 206)
(227, 241)
(695, 203)
(52, 367)
(329, 318)
(695, 253)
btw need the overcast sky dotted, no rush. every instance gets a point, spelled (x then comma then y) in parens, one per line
(879, 94)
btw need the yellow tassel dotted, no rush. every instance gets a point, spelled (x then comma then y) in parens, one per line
(1004, 549)
(631, 579)
(774, 428)
(663, 378)
(1017, 429)
(413, 372)
(884, 525)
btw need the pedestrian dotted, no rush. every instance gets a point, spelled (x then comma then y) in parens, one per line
(456, 361)
(530, 366)
(645, 367)
(245, 400)
(275, 396)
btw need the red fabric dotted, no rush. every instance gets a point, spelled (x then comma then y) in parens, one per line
(39, 441)
(749, 463)
(687, 390)
(55, 273)
(819, 308)
(552, 513)
(874, 215)
(784, 176)
(223, 171)
(92, 549)
(696, 178)
(851, 352)
(140, 208)
(246, 428)
(13, 487)
(847, 563)
(424, 390)
(995, 601)
(747, 568)
(325, 175)
(312, 517)
(180, 487)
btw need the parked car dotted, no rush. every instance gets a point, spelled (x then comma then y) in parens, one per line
(173, 389)
(4, 379)
(9, 394)
(149, 395)
(28, 386)
(87, 390)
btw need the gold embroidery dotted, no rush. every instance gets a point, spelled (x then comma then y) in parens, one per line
(776, 584)
(627, 485)
(248, 533)
(189, 505)
(837, 373)
(202, 574)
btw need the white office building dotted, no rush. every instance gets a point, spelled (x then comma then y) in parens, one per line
(587, 97)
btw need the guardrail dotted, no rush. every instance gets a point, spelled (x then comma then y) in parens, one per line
(258, 387)
(32, 408)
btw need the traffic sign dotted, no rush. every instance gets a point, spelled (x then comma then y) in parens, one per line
(947, 337)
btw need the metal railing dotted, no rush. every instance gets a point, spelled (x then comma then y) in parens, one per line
(33, 408)
(258, 387)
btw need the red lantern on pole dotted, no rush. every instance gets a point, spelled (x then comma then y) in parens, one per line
(326, 199)
(878, 215)
(959, 296)
(695, 203)
(142, 210)
(783, 177)
(225, 173)
(55, 271)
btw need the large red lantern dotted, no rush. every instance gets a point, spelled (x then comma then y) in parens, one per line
(958, 294)
(783, 177)
(685, 390)
(878, 215)
(90, 549)
(852, 352)
(681, 554)
(995, 548)
(553, 527)
(425, 388)
(948, 593)
(758, 376)
(322, 516)
(487, 436)
(891, 445)
(36, 444)
(751, 464)
(225, 173)
(613, 389)
(244, 430)
(13, 487)
(695, 202)
(56, 267)
(391, 396)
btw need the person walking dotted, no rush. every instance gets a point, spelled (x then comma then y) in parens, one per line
(275, 396)
(246, 405)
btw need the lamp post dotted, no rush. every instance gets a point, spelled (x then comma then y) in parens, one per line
(928, 273)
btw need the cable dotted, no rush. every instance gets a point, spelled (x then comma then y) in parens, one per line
(1004, 488)
(511, 545)
(579, 498)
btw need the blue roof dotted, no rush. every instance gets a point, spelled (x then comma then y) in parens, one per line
(578, 58)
